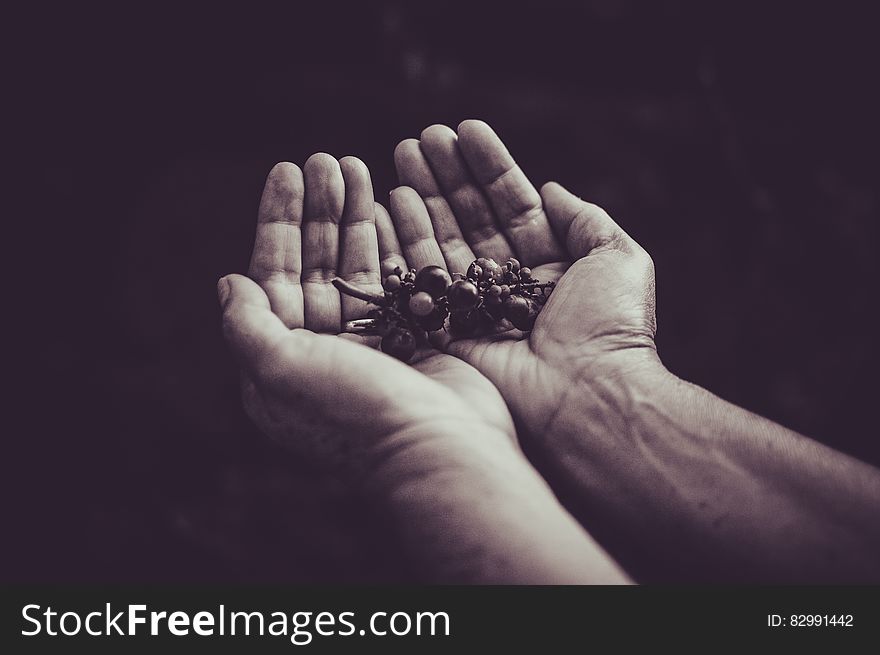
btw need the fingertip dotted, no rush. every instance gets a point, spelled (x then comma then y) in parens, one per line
(409, 216)
(321, 165)
(223, 291)
(358, 189)
(402, 196)
(324, 191)
(551, 188)
(249, 326)
(240, 289)
(284, 170)
(553, 193)
(379, 210)
(474, 127)
(438, 133)
(404, 152)
(353, 166)
(282, 194)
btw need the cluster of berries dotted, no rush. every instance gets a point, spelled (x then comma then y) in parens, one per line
(417, 302)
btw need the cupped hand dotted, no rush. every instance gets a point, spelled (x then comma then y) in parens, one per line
(324, 395)
(599, 321)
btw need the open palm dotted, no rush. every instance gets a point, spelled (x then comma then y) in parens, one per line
(317, 392)
(467, 198)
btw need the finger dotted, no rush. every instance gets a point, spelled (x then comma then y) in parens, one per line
(475, 216)
(276, 261)
(251, 328)
(414, 229)
(580, 226)
(324, 199)
(390, 252)
(516, 202)
(413, 170)
(358, 248)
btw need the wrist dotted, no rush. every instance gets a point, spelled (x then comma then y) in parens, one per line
(607, 399)
(452, 451)
(469, 507)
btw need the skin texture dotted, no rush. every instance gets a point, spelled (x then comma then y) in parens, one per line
(676, 483)
(432, 444)
(603, 303)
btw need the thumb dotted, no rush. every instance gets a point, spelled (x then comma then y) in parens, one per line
(581, 226)
(250, 327)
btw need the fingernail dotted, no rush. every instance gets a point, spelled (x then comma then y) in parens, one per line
(223, 290)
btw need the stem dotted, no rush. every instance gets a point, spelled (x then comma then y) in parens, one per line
(355, 292)
(364, 326)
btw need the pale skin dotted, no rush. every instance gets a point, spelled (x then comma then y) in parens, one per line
(676, 483)
(432, 444)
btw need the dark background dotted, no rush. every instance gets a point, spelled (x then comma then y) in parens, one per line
(735, 142)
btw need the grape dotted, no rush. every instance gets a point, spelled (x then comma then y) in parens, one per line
(463, 295)
(421, 304)
(416, 303)
(387, 268)
(392, 282)
(491, 269)
(433, 280)
(524, 320)
(516, 309)
(399, 343)
(434, 320)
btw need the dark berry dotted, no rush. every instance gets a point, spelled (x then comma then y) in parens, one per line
(525, 321)
(513, 264)
(494, 290)
(433, 280)
(421, 304)
(474, 272)
(434, 320)
(392, 282)
(399, 343)
(516, 309)
(463, 295)
(491, 269)
(525, 273)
